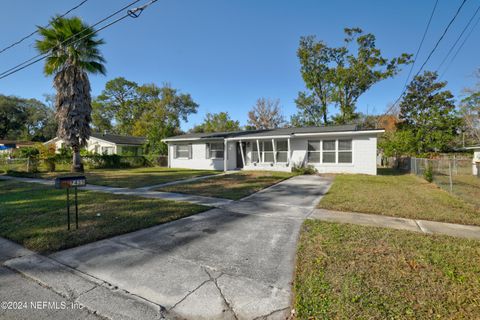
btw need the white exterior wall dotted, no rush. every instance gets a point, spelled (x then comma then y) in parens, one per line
(92, 143)
(198, 161)
(476, 159)
(364, 156)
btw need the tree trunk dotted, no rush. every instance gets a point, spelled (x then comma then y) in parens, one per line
(77, 165)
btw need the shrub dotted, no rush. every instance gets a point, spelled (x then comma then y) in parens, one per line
(303, 169)
(428, 173)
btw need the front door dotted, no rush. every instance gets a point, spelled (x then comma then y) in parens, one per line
(239, 154)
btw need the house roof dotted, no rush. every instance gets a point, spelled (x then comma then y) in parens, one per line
(118, 139)
(267, 133)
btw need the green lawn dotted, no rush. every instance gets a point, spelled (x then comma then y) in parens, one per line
(355, 272)
(398, 195)
(34, 215)
(232, 186)
(127, 178)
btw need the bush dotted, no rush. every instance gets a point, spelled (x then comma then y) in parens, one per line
(428, 173)
(304, 169)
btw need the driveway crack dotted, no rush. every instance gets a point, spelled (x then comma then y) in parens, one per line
(190, 293)
(271, 313)
(214, 280)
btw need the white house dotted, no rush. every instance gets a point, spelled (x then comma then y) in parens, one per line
(476, 159)
(104, 143)
(330, 149)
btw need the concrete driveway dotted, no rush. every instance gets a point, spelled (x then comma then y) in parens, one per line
(233, 262)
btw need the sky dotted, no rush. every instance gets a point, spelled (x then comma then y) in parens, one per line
(229, 53)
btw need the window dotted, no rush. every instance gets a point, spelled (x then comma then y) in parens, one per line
(314, 151)
(282, 151)
(107, 150)
(215, 150)
(267, 151)
(254, 152)
(328, 151)
(182, 151)
(344, 151)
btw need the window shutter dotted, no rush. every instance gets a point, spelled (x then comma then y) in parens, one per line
(189, 151)
(174, 151)
(207, 148)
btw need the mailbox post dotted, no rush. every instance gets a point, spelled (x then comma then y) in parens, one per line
(67, 183)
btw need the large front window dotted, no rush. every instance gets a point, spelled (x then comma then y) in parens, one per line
(282, 150)
(215, 150)
(330, 151)
(344, 151)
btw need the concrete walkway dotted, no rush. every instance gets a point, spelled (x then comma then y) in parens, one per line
(424, 226)
(233, 262)
(140, 192)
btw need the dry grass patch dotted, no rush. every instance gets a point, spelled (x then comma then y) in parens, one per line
(354, 272)
(35, 215)
(231, 186)
(392, 194)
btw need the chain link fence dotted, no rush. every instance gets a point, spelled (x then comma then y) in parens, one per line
(453, 175)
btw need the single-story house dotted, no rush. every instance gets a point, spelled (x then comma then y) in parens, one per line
(476, 159)
(330, 149)
(105, 143)
(7, 146)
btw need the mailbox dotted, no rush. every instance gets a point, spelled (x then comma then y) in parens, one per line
(67, 183)
(70, 182)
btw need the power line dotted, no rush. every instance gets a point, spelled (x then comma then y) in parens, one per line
(460, 47)
(133, 13)
(431, 53)
(37, 57)
(36, 31)
(458, 38)
(420, 45)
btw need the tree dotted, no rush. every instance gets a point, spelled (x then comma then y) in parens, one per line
(25, 119)
(338, 76)
(428, 111)
(72, 48)
(12, 118)
(119, 101)
(470, 113)
(266, 114)
(163, 109)
(217, 122)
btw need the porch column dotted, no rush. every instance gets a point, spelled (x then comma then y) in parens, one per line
(258, 151)
(288, 153)
(241, 152)
(225, 153)
(274, 151)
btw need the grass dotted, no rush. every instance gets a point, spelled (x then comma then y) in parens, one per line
(466, 187)
(34, 215)
(397, 195)
(354, 272)
(127, 178)
(231, 186)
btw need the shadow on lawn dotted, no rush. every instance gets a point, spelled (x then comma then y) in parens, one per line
(391, 172)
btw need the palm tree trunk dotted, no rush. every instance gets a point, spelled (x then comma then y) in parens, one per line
(77, 165)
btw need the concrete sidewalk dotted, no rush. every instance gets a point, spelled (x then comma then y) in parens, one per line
(424, 226)
(233, 262)
(140, 192)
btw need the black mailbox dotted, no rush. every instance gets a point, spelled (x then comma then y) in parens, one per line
(67, 183)
(70, 182)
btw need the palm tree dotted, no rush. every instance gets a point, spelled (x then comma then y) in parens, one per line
(72, 49)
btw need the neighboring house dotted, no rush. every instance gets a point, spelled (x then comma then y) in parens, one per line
(476, 159)
(7, 146)
(104, 143)
(330, 149)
